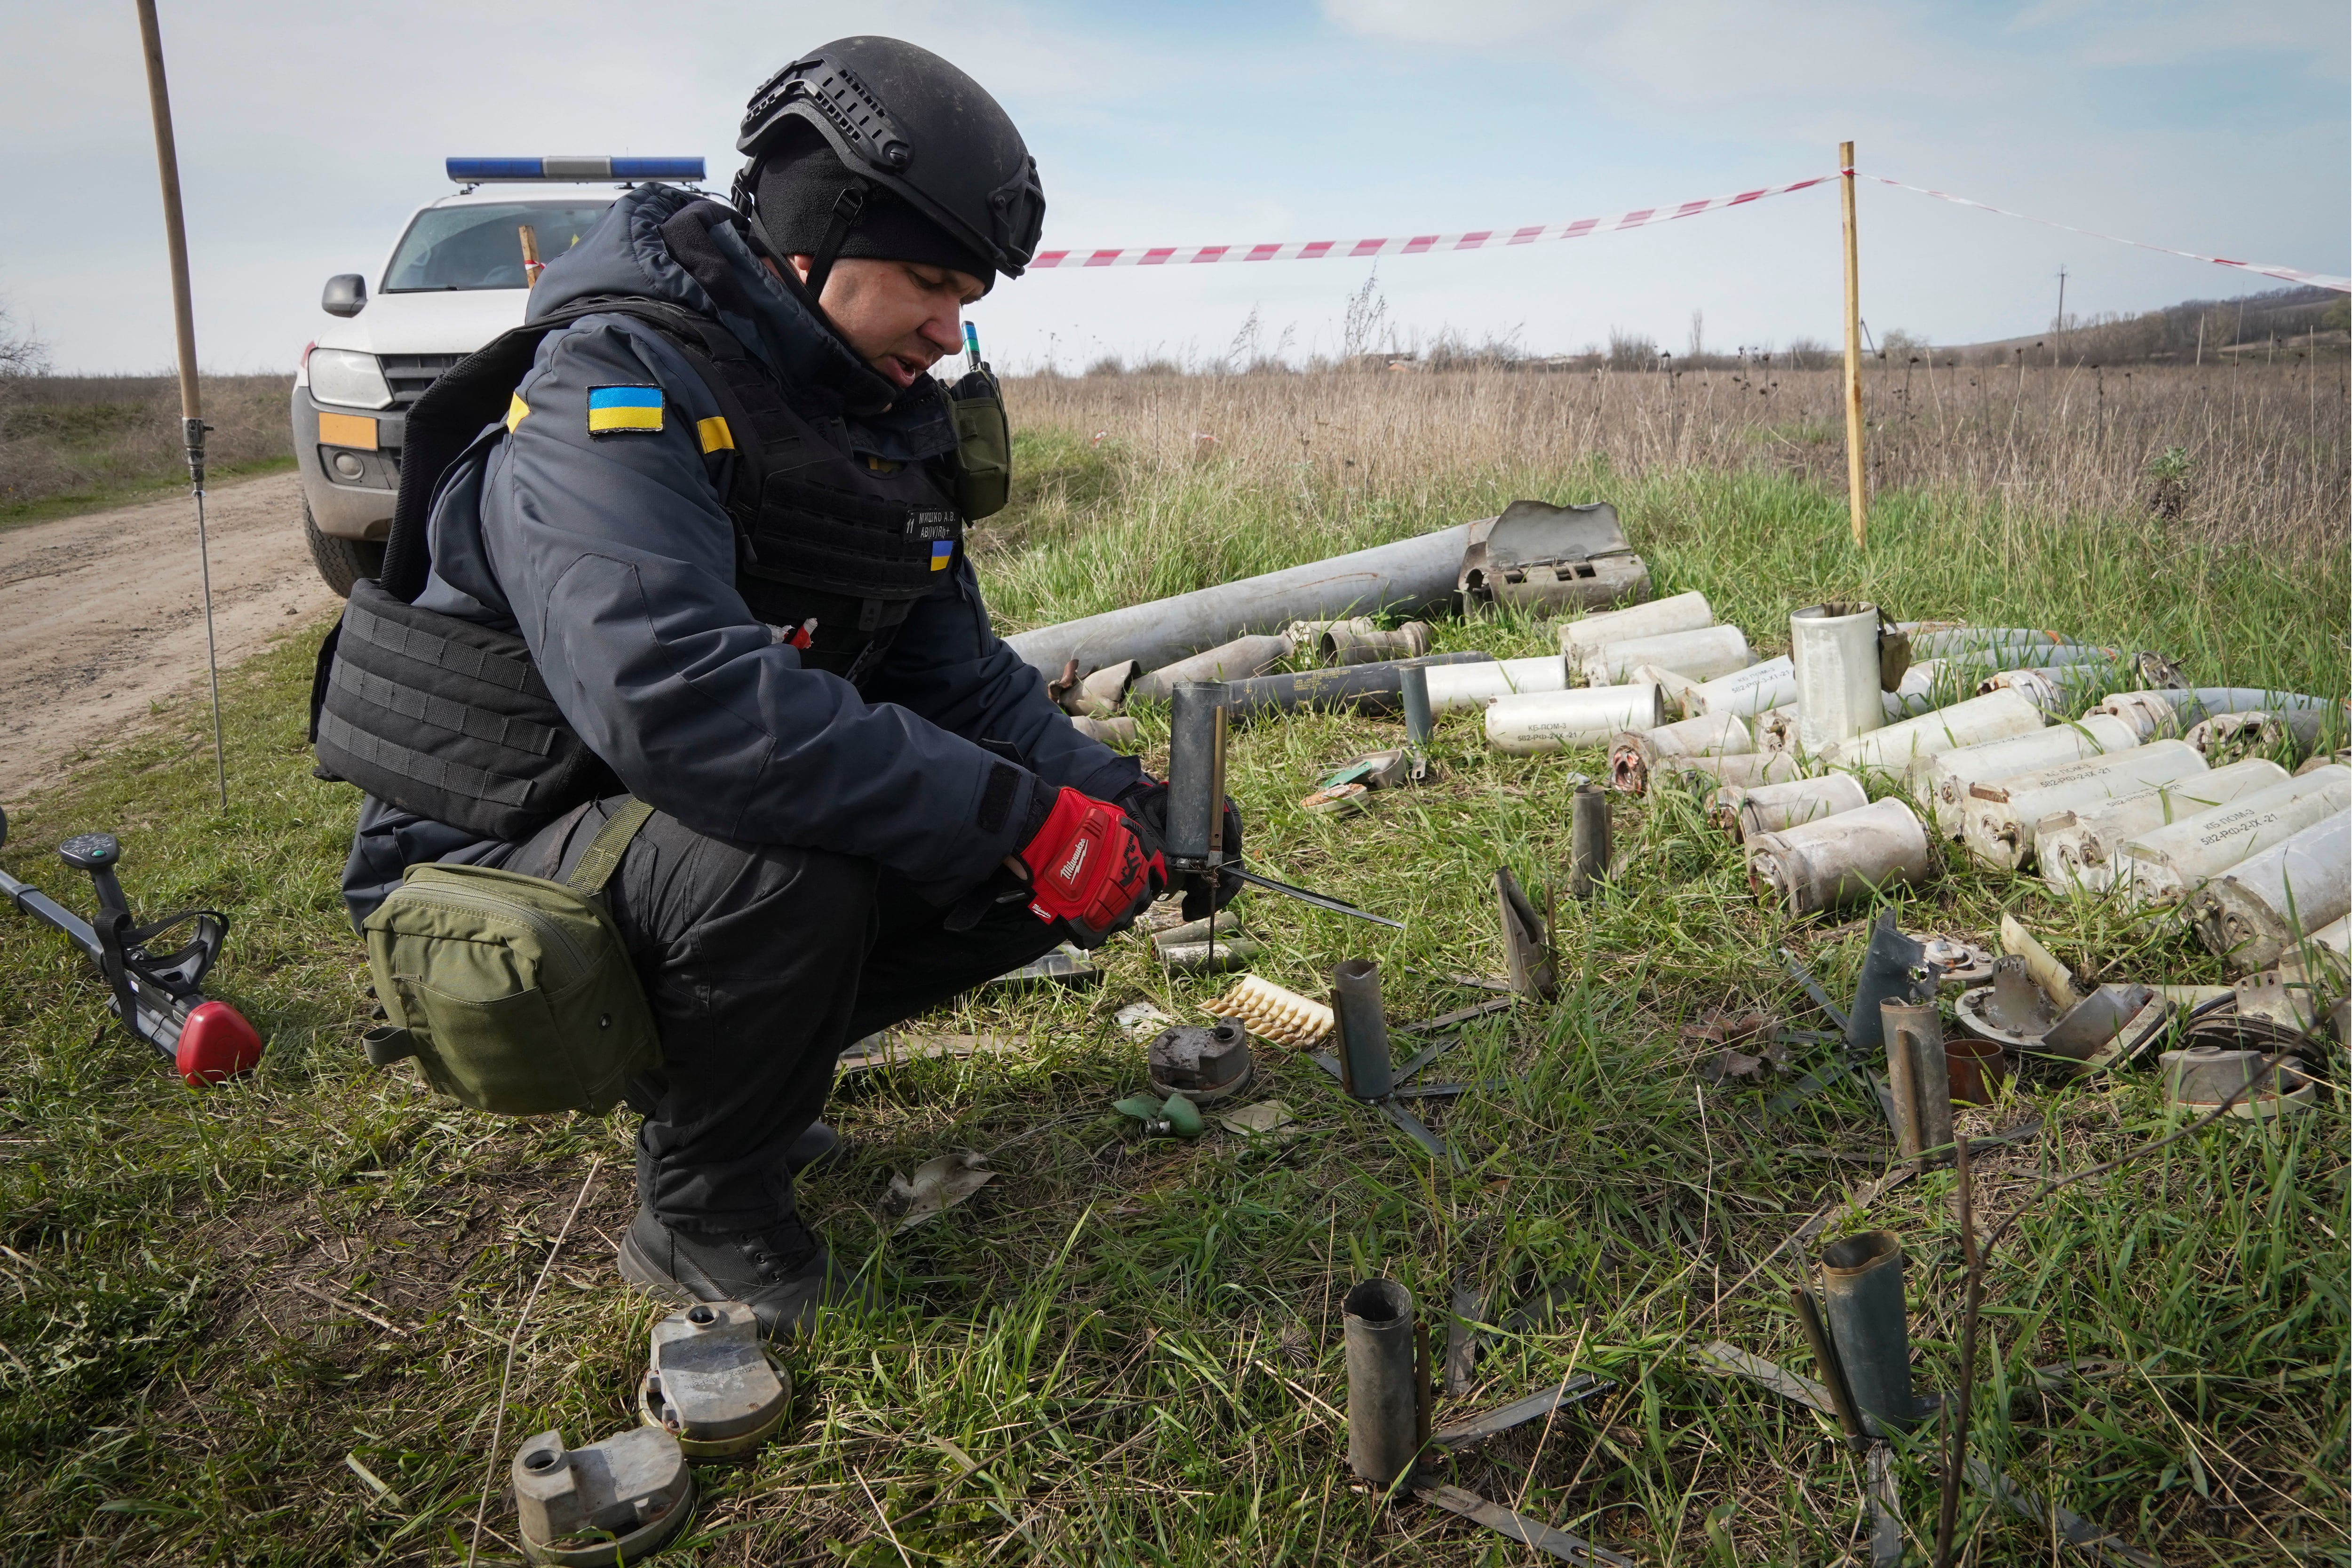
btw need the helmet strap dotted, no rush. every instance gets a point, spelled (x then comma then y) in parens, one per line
(846, 209)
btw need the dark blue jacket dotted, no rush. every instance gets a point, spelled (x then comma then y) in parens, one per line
(615, 559)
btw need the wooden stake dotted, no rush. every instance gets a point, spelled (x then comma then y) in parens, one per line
(1855, 499)
(183, 323)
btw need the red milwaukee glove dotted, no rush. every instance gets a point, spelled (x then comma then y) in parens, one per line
(1089, 871)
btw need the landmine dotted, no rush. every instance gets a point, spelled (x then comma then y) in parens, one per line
(1943, 780)
(1539, 721)
(2073, 846)
(1746, 692)
(1900, 749)
(1700, 655)
(1673, 688)
(1681, 613)
(2257, 909)
(620, 1498)
(1635, 755)
(1100, 695)
(1456, 687)
(1776, 730)
(1826, 865)
(1998, 817)
(1842, 663)
(2168, 863)
(1770, 808)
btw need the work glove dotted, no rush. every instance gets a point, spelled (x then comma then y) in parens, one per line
(1090, 871)
(1147, 804)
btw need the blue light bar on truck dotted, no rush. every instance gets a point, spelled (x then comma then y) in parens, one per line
(480, 171)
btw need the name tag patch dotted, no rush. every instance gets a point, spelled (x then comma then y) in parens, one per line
(612, 410)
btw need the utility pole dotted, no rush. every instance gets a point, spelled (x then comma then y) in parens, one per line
(1857, 501)
(2058, 327)
(184, 321)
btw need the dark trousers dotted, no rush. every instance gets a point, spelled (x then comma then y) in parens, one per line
(760, 963)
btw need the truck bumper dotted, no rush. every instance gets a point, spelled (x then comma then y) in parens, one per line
(350, 464)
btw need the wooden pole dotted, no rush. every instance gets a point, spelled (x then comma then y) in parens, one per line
(183, 323)
(1855, 499)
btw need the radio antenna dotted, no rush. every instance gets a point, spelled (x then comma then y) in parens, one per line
(192, 409)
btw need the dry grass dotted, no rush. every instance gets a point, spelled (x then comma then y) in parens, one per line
(2235, 455)
(73, 441)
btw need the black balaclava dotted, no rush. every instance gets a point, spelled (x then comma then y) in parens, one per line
(799, 186)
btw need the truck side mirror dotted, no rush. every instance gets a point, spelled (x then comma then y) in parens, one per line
(346, 295)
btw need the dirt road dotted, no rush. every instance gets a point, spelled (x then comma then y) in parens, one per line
(101, 615)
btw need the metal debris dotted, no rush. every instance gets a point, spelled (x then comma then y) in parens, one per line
(1526, 940)
(938, 1185)
(1543, 557)
(889, 1049)
(1466, 1435)
(1517, 1527)
(1274, 1014)
(1266, 1117)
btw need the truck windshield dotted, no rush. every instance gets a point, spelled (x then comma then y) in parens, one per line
(481, 247)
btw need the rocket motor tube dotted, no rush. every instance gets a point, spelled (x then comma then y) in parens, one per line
(1363, 1029)
(1419, 725)
(1196, 767)
(1862, 1296)
(1383, 1404)
(1372, 689)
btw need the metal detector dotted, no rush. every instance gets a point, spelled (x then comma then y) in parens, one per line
(157, 996)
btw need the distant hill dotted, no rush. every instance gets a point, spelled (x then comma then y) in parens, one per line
(2284, 321)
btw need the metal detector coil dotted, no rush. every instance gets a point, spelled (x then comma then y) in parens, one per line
(158, 996)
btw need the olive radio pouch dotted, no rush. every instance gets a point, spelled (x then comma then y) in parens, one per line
(514, 993)
(983, 445)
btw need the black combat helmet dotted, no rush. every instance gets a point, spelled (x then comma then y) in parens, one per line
(901, 121)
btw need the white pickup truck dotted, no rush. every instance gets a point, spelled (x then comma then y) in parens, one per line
(459, 277)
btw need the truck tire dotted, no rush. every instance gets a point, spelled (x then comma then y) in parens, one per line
(340, 562)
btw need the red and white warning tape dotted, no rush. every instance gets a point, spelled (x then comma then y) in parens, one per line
(2290, 274)
(1479, 238)
(1402, 244)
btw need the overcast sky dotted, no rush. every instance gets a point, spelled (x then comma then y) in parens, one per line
(308, 132)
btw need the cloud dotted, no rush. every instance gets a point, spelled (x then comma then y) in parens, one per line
(1458, 22)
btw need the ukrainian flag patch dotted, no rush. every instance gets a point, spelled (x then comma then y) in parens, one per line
(614, 409)
(942, 551)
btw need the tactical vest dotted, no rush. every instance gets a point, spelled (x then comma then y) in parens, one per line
(450, 719)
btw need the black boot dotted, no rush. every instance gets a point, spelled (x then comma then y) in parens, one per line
(816, 1151)
(783, 1274)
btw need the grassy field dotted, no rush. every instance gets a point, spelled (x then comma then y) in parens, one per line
(221, 1308)
(71, 443)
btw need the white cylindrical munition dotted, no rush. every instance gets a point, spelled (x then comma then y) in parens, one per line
(2167, 864)
(1999, 818)
(1836, 650)
(2226, 737)
(1746, 769)
(2054, 688)
(1682, 612)
(1673, 689)
(1235, 660)
(1768, 808)
(1900, 749)
(2073, 847)
(1536, 722)
(2169, 711)
(1746, 692)
(1635, 755)
(1701, 655)
(1943, 781)
(2256, 910)
(1454, 686)
(2016, 645)
(1916, 695)
(1841, 859)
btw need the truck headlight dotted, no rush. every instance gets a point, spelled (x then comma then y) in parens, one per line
(348, 377)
